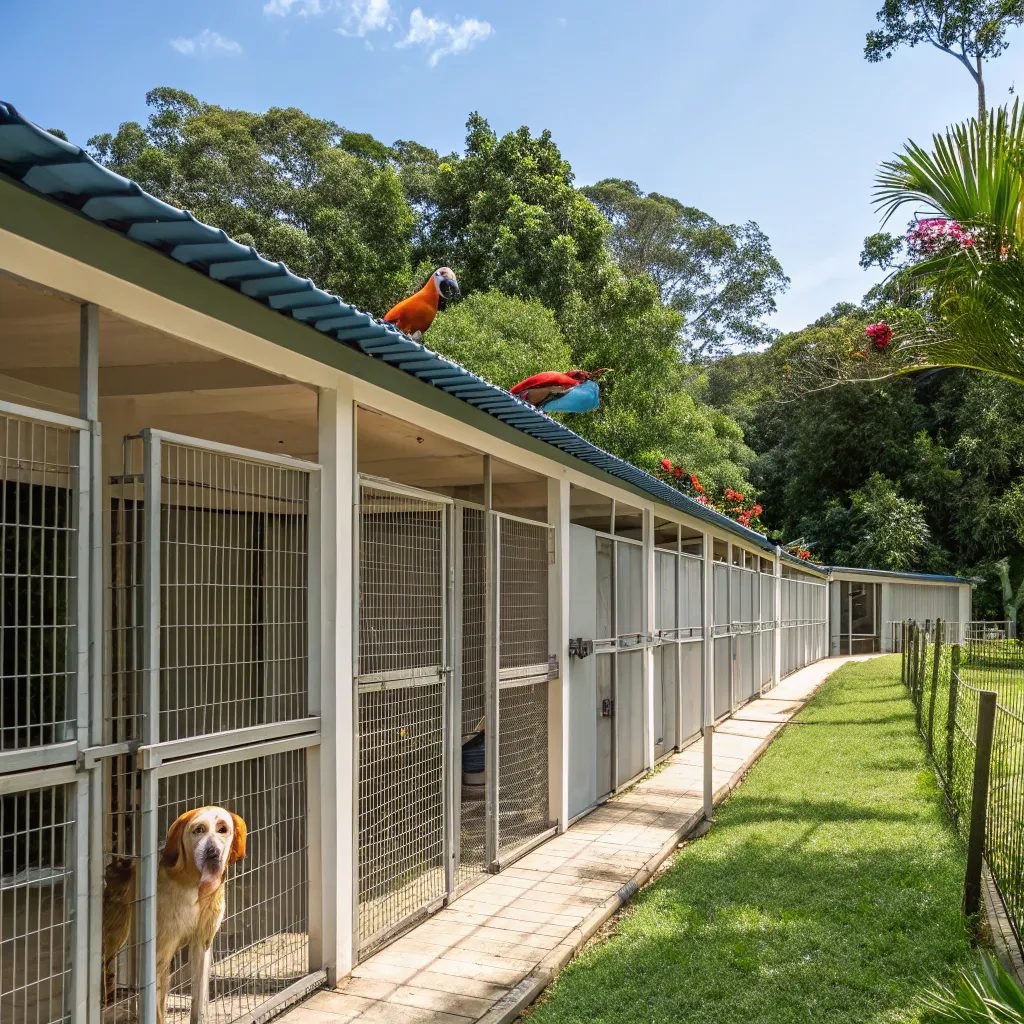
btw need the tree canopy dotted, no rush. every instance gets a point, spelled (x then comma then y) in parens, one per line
(971, 31)
(302, 190)
(722, 277)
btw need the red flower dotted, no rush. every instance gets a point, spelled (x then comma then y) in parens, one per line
(678, 471)
(666, 464)
(756, 510)
(880, 334)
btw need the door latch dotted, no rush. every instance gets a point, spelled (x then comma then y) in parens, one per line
(607, 707)
(580, 648)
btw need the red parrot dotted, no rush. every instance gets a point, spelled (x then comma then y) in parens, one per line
(416, 313)
(543, 387)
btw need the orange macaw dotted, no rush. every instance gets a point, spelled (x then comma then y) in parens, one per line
(416, 313)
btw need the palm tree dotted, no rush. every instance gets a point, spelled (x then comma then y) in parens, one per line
(971, 269)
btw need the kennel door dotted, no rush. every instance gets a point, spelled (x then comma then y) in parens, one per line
(518, 805)
(402, 696)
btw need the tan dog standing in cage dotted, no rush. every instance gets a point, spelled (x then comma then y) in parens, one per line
(200, 846)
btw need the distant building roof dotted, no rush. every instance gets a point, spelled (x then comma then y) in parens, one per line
(930, 577)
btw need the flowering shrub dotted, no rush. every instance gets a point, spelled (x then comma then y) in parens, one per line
(731, 503)
(938, 233)
(800, 552)
(880, 335)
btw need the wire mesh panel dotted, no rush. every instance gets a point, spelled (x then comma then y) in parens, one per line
(38, 476)
(37, 889)
(208, 632)
(401, 719)
(525, 552)
(234, 584)
(470, 773)
(262, 946)
(42, 640)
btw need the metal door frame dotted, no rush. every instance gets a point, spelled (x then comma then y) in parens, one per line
(159, 758)
(60, 764)
(446, 673)
(495, 857)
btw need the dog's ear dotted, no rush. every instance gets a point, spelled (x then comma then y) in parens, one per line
(174, 849)
(237, 851)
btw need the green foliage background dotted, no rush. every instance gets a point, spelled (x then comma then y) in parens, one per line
(920, 472)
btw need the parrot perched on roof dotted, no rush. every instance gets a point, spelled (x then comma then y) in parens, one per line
(543, 388)
(416, 313)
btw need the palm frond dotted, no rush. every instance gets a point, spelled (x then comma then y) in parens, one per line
(986, 996)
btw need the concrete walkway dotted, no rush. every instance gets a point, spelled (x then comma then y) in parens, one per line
(490, 953)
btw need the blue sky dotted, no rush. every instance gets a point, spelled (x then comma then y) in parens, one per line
(749, 110)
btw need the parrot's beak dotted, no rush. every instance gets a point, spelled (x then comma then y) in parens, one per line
(449, 289)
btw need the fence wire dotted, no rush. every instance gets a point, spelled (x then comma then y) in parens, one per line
(36, 896)
(525, 553)
(401, 718)
(946, 682)
(37, 476)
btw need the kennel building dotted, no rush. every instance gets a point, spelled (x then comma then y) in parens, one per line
(868, 607)
(264, 552)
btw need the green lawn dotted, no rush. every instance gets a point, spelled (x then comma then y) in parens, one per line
(828, 890)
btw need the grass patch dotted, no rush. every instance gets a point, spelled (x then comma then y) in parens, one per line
(828, 890)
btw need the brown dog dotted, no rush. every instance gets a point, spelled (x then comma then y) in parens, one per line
(190, 896)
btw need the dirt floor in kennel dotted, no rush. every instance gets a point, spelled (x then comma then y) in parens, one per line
(488, 955)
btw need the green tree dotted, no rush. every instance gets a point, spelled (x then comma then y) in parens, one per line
(890, 531)
(501, 338)
(507, 215)
(651, 404)
(722, 277)
(972, 31)
(326, 201)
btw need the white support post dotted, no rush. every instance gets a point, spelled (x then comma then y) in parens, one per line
(332, 775)
(558, 639)
(777, 668)
(648, 655)
(707, 618)
(90, 689)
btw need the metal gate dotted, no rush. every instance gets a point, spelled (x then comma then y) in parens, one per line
(211, 698)
(678, 664)
(44, 713)
(402, 707)
(518, 678)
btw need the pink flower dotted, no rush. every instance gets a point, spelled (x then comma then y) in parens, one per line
(936, 233)
(880, 334)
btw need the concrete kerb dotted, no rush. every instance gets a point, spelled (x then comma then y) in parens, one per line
(517, 999)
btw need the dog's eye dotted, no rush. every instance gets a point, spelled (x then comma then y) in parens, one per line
(222, 828)
(199, 829)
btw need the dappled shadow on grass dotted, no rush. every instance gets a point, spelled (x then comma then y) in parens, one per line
(773, 934)
(828, 890)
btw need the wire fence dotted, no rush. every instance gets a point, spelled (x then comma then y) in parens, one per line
(969, 708)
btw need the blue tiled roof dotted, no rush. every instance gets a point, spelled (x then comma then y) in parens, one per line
(67, 174)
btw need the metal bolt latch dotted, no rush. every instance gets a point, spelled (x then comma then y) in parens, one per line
(607, 707)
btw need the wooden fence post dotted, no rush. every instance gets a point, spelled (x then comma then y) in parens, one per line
(979, 800)
(954, 685)
(935, 686)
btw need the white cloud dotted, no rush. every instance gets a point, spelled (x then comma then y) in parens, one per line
(207, 44)
(283, 8)
(453, 39)
(368, 16)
